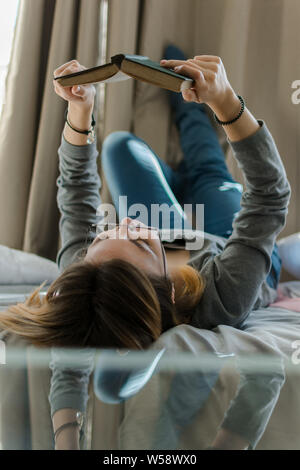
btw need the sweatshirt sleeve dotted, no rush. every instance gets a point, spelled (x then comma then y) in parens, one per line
(78, 199)
(235, 276)
(69, 384)
(257, 395)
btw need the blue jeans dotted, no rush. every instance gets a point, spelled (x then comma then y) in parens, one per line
(133, 169)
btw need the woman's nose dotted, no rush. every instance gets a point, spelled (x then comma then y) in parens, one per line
(124, 227)
(133, 222)
(126, 221)
(123, 231)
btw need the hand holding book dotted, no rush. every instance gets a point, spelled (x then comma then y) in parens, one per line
(211, 82)
(80, 103)
(125, 66)
(202, 80)
(211, 86)
(80, 96)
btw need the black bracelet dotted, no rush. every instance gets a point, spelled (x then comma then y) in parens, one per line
(64, 426)
(81, 132)
(226, 123)
(78, 423)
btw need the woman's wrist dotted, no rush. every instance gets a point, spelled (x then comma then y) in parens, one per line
(227, 107)
(227, 440)
(68, 439)
(80, 119)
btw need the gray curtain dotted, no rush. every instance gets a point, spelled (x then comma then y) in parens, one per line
(257, 40)
(48, 33)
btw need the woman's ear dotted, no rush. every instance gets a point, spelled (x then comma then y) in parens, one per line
(177, 283)
(173, 293)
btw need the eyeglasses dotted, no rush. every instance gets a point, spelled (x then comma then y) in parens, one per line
(96, 229)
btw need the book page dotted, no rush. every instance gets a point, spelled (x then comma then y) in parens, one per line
(118, 77)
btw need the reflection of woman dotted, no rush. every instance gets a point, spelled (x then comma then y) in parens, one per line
(118, 295)
(245, 419)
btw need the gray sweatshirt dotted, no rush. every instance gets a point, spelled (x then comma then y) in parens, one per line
(235, 269)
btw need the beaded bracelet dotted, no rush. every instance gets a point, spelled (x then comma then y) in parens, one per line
(226, 123)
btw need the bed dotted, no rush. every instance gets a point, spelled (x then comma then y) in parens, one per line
(141, 422)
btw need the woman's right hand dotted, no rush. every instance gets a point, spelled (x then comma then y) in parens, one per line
(80, 103)
(81, 97)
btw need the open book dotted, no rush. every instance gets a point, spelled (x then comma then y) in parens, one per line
(125, 66)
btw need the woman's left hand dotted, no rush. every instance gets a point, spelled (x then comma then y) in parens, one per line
(211, 83)
(81, 97)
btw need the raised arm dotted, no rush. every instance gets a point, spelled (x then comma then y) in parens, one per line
(250, 411)
(235, 277)
(78, 198)
(79, 182)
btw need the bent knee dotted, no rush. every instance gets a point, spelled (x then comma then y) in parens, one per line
(115, 144)
(120, 145)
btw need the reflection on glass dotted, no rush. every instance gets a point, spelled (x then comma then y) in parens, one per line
(155, 399)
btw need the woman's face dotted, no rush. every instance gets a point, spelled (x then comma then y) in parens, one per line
(132, 241)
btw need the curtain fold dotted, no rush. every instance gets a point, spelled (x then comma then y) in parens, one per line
(117, 99)
(162, 23)
(48, 33)
(19, 120)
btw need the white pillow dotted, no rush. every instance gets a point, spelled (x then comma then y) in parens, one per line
(19, 267)
(289, 251)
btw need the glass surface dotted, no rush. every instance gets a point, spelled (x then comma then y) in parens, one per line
(180, 394)
(172, 397)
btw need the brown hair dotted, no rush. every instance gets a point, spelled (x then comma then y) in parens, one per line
(114, 304)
